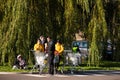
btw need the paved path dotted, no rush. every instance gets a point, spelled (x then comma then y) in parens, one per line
(86, 75)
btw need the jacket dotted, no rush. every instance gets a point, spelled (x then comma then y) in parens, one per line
(59, 48)
(39, 47)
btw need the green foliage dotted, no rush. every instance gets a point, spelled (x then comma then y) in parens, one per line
(23, 21)
(98, 32)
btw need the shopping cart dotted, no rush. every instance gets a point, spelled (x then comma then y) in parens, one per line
(40, 61)
(71, 59)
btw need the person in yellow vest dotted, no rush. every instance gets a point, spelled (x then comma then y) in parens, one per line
(58, 48)
(38, 46)
(58, 52)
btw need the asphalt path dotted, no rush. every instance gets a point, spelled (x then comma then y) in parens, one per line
(83, 75)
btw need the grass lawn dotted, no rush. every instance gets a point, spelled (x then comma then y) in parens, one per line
(105, 65)
(9, 69)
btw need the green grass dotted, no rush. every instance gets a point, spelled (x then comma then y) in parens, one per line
(9, 69)
(105, 65)
(109, 64)
(100, 68)
(92, 68)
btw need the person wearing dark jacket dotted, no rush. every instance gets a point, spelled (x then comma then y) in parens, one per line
(19, 63)
(51, 49)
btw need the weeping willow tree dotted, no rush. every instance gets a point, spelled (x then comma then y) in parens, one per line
(114, 26)
(69, 15)
(84, 13)
(13, 25)
(1, 18)
(38, 23)
(23, 21)
(116, 56)
(77, 14)
(98, 31)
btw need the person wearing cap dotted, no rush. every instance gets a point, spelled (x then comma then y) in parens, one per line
(19, 63)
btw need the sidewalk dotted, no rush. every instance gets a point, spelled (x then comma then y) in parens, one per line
(85, 72)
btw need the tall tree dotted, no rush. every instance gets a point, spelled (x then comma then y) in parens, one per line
(98, 31)
(13, 25)
(23, 21)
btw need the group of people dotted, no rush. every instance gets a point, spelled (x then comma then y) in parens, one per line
(52, 48)
(48, 46)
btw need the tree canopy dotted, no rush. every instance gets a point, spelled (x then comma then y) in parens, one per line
(23, 21)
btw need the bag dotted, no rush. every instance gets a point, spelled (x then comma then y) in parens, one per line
(56, 52)
(56, 59)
